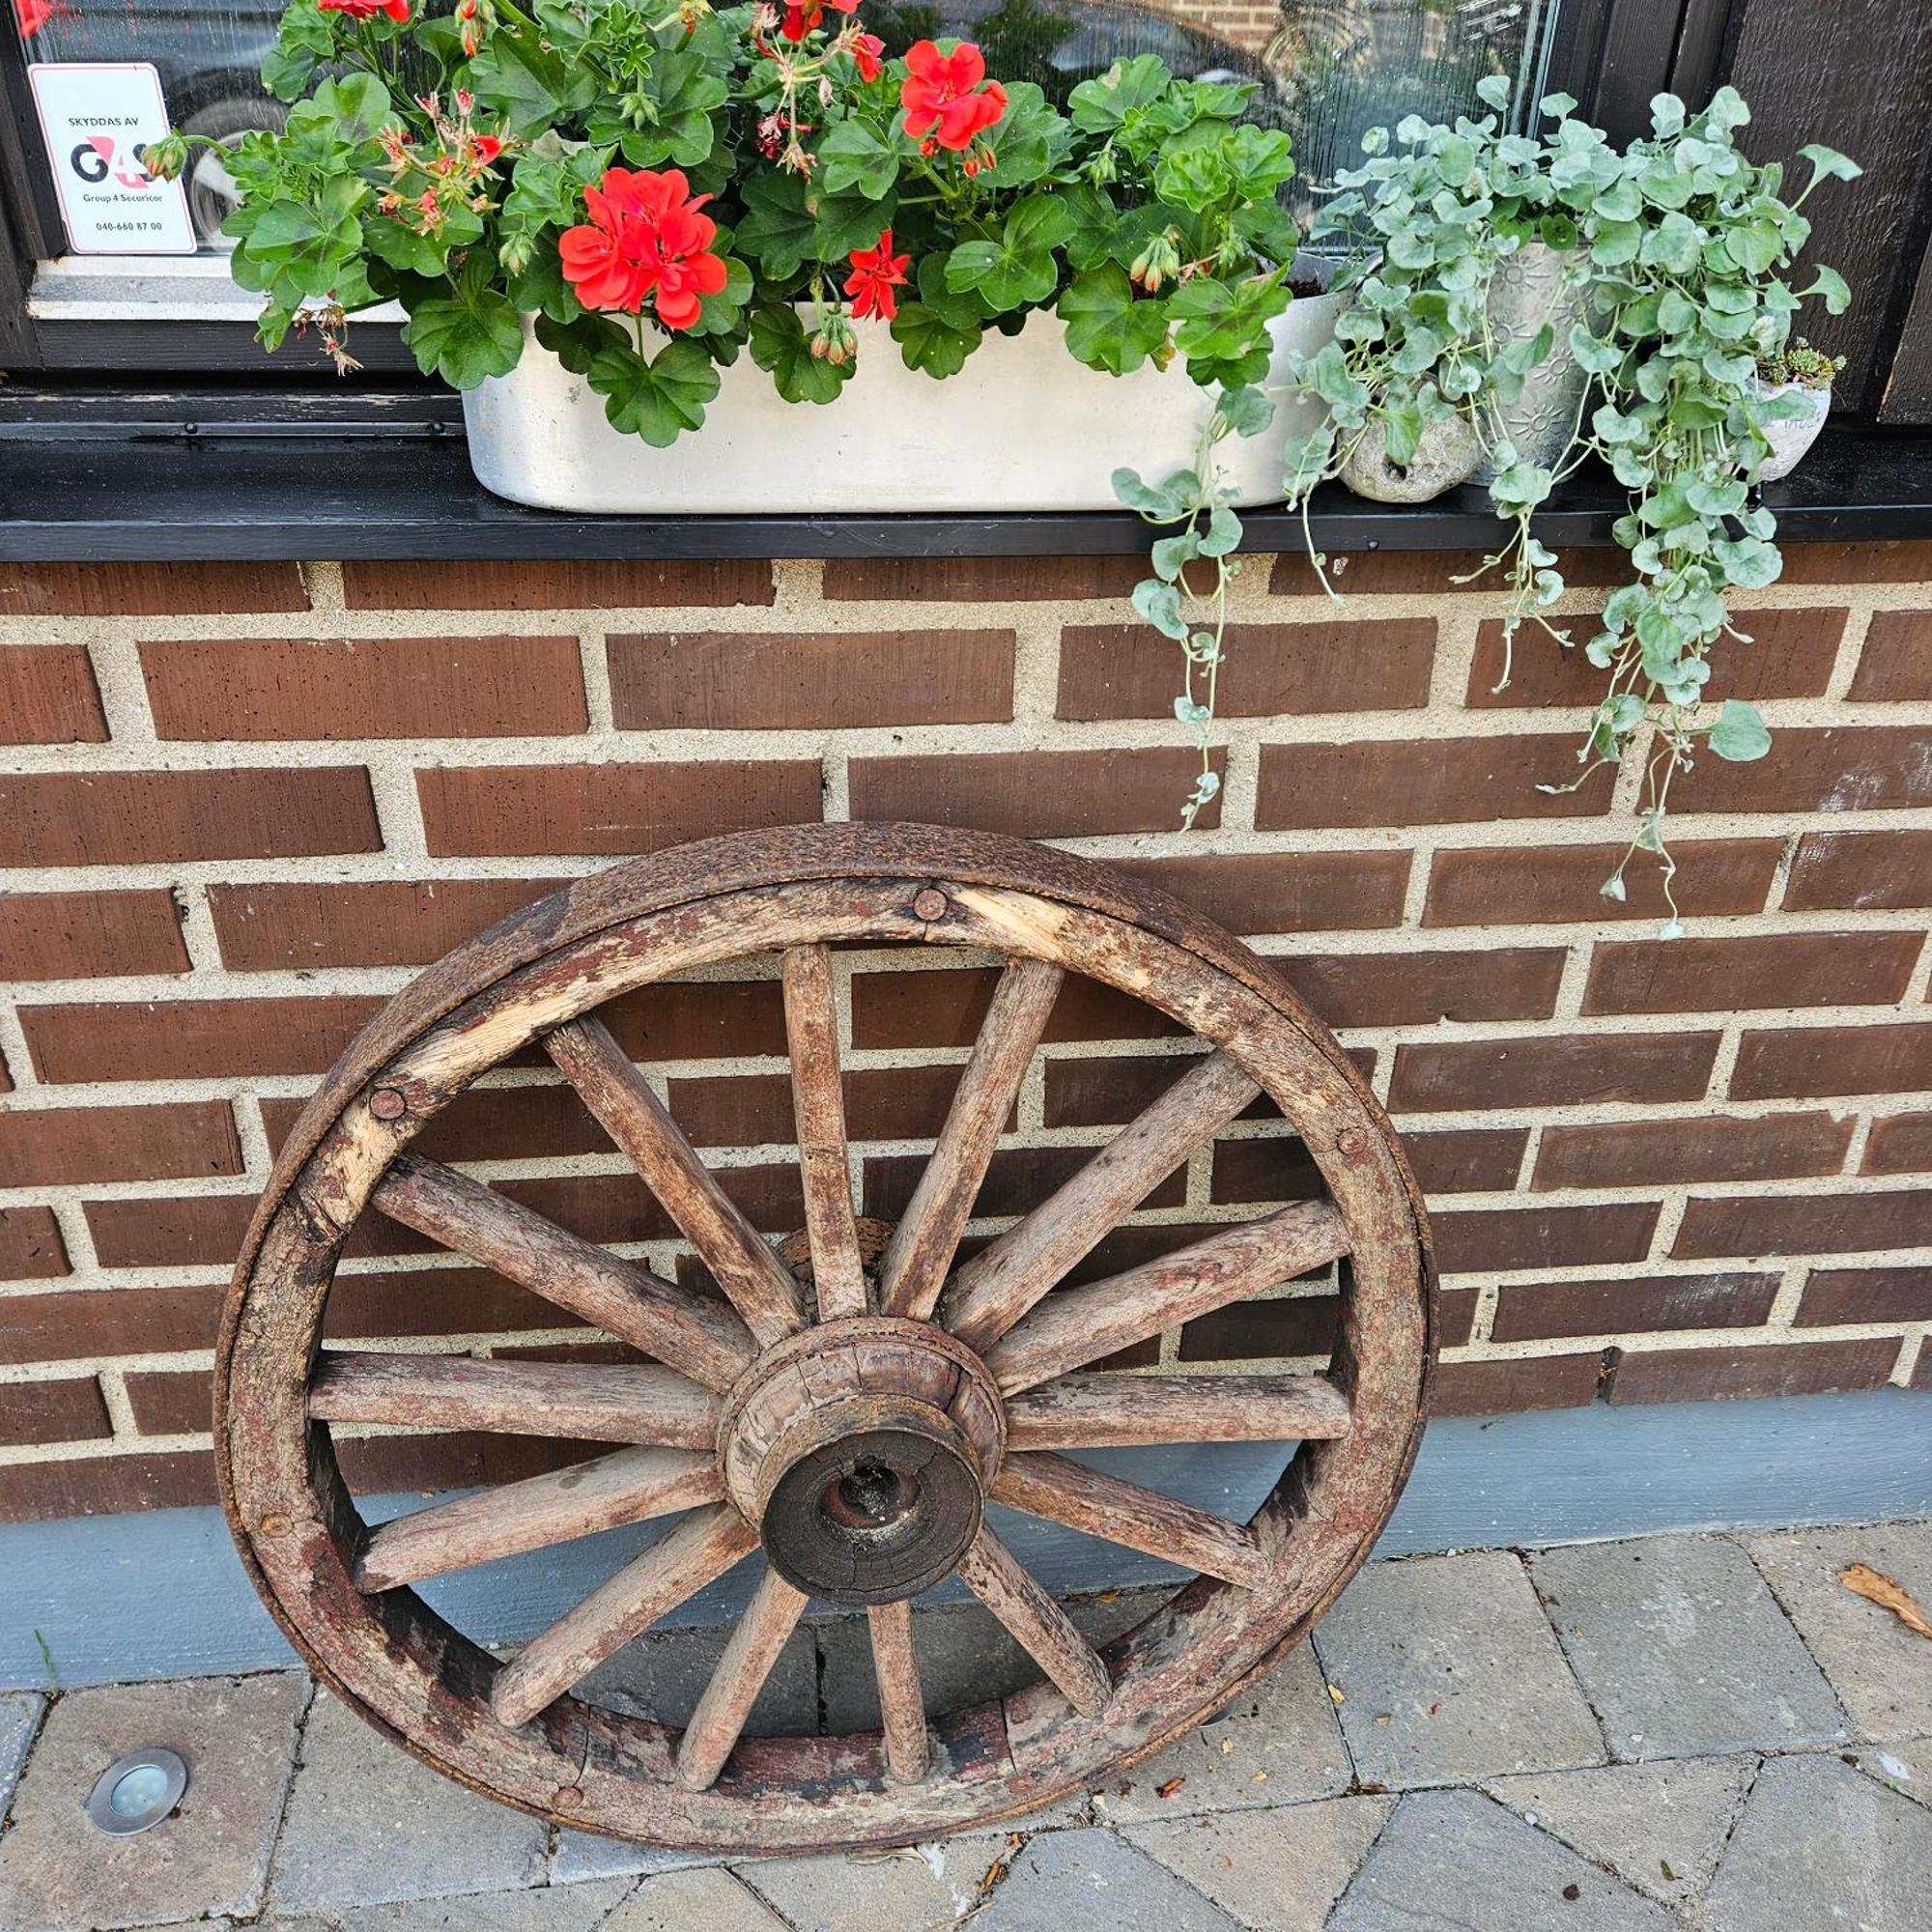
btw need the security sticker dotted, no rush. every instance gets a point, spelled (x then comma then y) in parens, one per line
(98, 117)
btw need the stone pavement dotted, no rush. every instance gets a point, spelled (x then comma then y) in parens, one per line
(1693, 1731)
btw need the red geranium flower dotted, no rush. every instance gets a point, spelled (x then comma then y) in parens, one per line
(801, 16)
(487, 147)
(366, 9)
(876, 273)
(939, 98)
(868, 50)
(644, 238)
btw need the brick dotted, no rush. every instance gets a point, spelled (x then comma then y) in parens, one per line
(105, 1484)
(89, 935)
(1458, 1161)
(190, 1231)
(1455, 1316)
(380, 1464)
(1284, 891)
(1566, 1309)
(31, 1248)
(383, 1303)
(150, 589)
(72, 1324)
(1130, 671)
(1429, 781)
(944, 1007)
(1900, 1145)
(1762, 1369)
(822, 680)
(1106, 1090)
(1805, 1224)
(1545, 885)
(556, 583)
(490, 810)
(618, 1207)
(1476, 1241)
(1017, 1180)
(1511, 1388)
(1895, 664)
(192, 1039)
(980, 580)
(49, 696)
(1364, 573)
(1714, 1147)
(390, 923)
(1896, 561)
(68, 1410)
(1836, 1295)
(486, 1124)
(110, 819)
(1035, 794)
(171, 1402)
(1786, 969)
(1417, 988)
(55, 1144)
(1564, 1071)
(1816, 1061)
(1870, 870)
(1278, 1168)
(1791, 655)
(1829, 768)
(709, 1019)
(289, 688)
(901, 1103)
(1298, 1324)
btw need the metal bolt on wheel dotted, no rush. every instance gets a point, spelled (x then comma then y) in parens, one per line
(847, 1417)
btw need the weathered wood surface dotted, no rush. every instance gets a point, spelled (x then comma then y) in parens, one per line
(699, 1551)
(704, 1339)
(914, 1269)
(1035, 1622)
(818, 1110)
(596, 1401)
(627, 1486)
(1080, 1325)
(750, 1652)
(901, 1699)
(1003, 1281)
(755, 1281)
(1105, 1410)
(1126, 1513)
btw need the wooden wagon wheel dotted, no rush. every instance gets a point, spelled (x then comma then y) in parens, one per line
(854, 1430)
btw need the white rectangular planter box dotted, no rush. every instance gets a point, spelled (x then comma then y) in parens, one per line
(1022, 426)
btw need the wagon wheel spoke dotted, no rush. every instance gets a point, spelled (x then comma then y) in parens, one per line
(1037, 1622)
(591, 1401)
(1108, 1410)
(754, 1647)
(755, 1281)
(627, 1486)
(818, 1108)
(997, 1287)
(1080, 1325)
(1140, 1519)
(699, 1551)
(924, 1245)
(901, 1702)
(704, 1339)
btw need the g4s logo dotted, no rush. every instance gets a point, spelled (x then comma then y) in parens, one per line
(94, 160)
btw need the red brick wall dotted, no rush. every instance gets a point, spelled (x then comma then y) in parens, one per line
(242, 804)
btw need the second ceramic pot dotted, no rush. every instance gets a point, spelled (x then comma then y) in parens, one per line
(1791, 439)
(1529, 288)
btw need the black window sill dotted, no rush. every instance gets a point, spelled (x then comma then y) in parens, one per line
(263, 479)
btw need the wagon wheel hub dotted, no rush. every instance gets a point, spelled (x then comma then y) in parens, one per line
(862, 1450)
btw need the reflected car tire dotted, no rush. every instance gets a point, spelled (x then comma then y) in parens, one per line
(212, 194)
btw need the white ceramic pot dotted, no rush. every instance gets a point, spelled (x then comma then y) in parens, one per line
(1790, 439)
(1445, 453)
(1022, 426)
(1529, 288)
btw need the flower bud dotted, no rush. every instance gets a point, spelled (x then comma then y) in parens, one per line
(1158, 264)
(834, 341)
(515, 254)
(166, 158)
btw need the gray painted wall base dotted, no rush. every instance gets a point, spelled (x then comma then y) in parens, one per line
(113, 1599)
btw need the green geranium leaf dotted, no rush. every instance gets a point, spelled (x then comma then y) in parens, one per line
(1105, 106)
(1107, 327)
(1019, 271)
(780, 346)
(658, 400)
(776, 231)
(856, 156)
(473, 333)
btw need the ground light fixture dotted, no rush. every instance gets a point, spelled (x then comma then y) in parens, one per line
(137, 1791)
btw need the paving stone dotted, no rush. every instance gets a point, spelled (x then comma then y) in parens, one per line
(20, 1718)
(1449, 1674)
(1821, 1845)
(580, 1908)
(1880, 1670)
(1659, 1826)
(1683, 1648)
(919, 1889)
(1903, 1765)
(580, 1856)
(210, 1855)
(368, 1824)
(1071, 1881)
(692, 1901)
(1274, 1745)
(1275, 1871)
(664, 1676)
(1454, 1860)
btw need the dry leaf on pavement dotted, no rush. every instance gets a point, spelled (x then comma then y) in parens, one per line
(1863, 1580)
